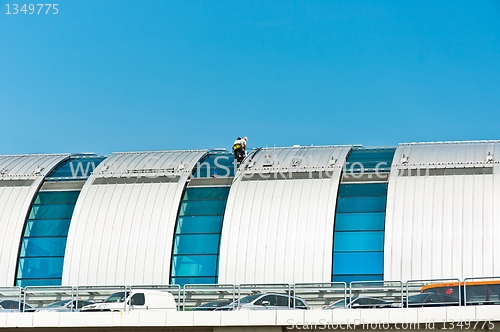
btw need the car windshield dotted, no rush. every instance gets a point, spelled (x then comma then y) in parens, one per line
(249, 298)
(340, 303)
(116, 297)
(418, 298)
(215, 304)
(57, 304)
(13, 304)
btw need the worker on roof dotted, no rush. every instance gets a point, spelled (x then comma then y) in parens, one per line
(239, 148)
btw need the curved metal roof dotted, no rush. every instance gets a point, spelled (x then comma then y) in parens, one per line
(28, 166)
(149, 163)
(281, 230)
(123, 223)
(446, 154)
(444, 224)
(20, 178)
(293, 159)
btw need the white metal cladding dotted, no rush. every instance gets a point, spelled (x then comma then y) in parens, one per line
(443, 226)
(15, 201)
(295, 159)
(279, 231)
(121, 233)
(445, 154)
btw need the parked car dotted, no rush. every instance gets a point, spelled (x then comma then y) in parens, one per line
(211, 306)
(430, 300)
(267, 301)
(65, 305)
(359, 303)
(137, 299)
(14, 306)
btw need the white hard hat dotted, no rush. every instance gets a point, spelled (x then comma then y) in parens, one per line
(245, 138)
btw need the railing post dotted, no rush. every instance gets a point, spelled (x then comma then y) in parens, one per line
(183, 297)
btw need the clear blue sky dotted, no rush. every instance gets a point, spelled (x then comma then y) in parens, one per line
(106, 76)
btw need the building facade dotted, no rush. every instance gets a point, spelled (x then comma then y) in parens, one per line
(285, 215)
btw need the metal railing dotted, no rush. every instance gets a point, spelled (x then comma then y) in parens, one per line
(491, 292)
(420, 283)
(317, 295)
(389, 291)
(194, 295)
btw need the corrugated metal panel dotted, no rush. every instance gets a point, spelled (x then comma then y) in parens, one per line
(122, 233)
(148, 163)
(298, 159)
(15, 202)
(446, 154)
(442, 226)
(278, 231)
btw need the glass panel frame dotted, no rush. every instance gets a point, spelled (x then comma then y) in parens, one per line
(359, 241)
(202, 208)
(199, 225)
(52, 211)
(40, 268)
(43, 247)
(56, 197)
(196, 244)
(204, 194)
(363, 189)
(369, 221)
(46, 227)
(361, 204)
(194, 265)
(360, 263)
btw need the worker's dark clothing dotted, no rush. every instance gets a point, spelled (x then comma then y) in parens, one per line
(239, 150)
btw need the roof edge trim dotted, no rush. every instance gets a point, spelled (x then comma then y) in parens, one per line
(159, 151)
(451, 142)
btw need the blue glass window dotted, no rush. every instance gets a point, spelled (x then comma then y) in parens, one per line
(347, 278)
(194, 265)
(76, 168)
(199, 224)
(40, 268)
(41, 256)
(358, 240)
(364, 204)
(363, 190)
(193, 280)
(358, 263)
(367, 160)
(196, 244)
(216, 164)
(215, 193)
(195, 252)
(50, 227)
(371, 221)
(193, 208)
(39, 282)
(53, 211)
(52, 197)
(43, 246)
(44, 238)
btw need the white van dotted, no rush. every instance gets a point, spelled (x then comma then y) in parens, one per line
(136, 299)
